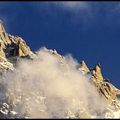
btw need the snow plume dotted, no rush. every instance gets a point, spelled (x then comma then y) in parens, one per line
(50, 87)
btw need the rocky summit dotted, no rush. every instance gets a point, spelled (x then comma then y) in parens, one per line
(13, 48)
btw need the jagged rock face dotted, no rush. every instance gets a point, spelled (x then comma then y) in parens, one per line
(83, 67)
(11, 46)
(97, 73)
(103, 87)
(16, 44)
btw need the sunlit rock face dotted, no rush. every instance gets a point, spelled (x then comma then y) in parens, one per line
(83, 67)
(11, 46)
(34, 100)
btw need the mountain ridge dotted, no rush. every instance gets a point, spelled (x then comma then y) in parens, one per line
(13, 48)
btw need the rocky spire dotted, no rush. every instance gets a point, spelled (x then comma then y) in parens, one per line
(11, 46)
(97, 72)
(3, 34)
(2, 29)
(83, 67)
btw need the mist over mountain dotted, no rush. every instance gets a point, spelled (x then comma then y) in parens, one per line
(45, 84)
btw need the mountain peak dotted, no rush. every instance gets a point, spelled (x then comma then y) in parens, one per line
(83, 67)
(97, 72)
(2, 29)
(12, 46)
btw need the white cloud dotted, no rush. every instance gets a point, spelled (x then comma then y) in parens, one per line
(73, 5)
(82, 14)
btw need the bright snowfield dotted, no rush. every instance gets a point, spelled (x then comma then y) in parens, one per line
(50, 87)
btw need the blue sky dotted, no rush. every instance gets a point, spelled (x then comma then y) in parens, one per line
(90, 31)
